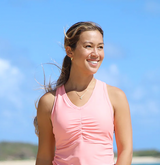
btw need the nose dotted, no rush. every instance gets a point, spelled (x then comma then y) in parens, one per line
(95, 52)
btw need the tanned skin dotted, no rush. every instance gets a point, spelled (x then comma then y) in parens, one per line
(122, 123)
(46, 146)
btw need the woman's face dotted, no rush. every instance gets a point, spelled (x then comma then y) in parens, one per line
(89, 53)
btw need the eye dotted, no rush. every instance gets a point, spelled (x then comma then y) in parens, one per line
(100, 47)
(88, 46)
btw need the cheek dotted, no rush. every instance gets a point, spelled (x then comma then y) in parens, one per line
(102, 55)
(80, 53)
(86, 52)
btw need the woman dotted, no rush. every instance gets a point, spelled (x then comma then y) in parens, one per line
(80, 115)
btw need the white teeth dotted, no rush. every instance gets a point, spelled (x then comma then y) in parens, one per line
(93, 62)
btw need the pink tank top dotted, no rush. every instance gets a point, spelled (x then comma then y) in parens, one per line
(84, 135)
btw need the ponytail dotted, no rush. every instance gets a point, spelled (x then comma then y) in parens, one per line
(63, 78)
(65, 72)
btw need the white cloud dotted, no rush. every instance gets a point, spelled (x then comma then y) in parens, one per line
(153, 76)
(155, 89)
(144, 99)
(153, 106)
(8, 117)
(113, 51)
(138, 109)
(10, 80)
(109, 75)
(112, 76)
(6, 68)
(138, 93)
(6, 114)
(145, 109)
(114, 69)
(152, 7)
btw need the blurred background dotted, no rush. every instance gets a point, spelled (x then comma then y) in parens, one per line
(31, 34)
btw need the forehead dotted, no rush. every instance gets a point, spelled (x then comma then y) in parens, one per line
(92, 36)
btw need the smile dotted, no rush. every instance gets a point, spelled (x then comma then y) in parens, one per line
(93, 62)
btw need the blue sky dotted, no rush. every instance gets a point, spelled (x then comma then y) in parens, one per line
(31, 33)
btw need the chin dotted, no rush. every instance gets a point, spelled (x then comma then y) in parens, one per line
(93, 72)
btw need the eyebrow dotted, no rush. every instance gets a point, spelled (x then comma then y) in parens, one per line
(92, 43)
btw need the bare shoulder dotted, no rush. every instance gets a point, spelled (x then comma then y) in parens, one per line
(46, 102)
(45, 106)
(46, 138)
(117, 96)
(116, 92)
(122, 120)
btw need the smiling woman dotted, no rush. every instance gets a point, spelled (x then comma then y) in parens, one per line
(79, 116)
(89, 53)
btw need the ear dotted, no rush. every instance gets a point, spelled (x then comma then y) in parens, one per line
(69, 51)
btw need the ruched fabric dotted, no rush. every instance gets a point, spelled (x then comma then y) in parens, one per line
(84, 135)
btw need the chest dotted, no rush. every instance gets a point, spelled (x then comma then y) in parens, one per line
(94, 117)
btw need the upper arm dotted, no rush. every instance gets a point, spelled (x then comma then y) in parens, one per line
(122, 119)
(46, 146)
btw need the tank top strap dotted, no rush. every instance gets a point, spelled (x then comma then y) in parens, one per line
(107, 97)
(55, 100)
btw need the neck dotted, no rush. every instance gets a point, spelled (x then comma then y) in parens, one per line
(78, 82)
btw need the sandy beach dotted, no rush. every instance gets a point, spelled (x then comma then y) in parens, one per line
(135, 160)
(139, 160)
(18, 162)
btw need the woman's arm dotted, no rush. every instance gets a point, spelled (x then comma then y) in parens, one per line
(123, 128)
(46, 146)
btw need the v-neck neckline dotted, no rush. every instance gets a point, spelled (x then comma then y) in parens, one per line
(73, 105)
